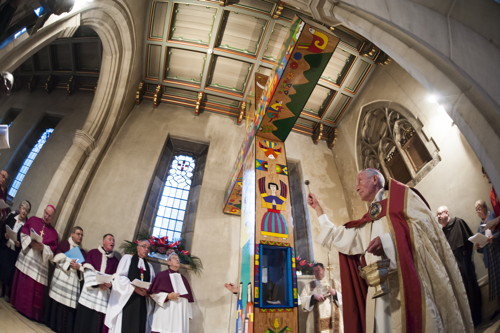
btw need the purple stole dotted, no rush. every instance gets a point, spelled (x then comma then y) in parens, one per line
(354, 288)
(94, 258)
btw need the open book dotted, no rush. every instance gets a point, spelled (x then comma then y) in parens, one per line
(11, 233)
(480, 239)
(35, 236)
(140, 284)
(103, 278)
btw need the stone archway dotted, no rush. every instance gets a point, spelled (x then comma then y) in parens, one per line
(113, 22)
(433, 43)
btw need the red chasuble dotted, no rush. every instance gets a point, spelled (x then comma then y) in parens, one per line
(354, 288)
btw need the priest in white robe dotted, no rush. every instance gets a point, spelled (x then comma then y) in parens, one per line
(129, 307)
(322, 297)
(426, 292)
(173, 297)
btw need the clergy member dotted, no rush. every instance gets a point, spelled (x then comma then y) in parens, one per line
(65, 285)
(426, 292)
(93, 300)
(457, 233)
(173, 297)
(321, 297)
(129, 307)
(9, 248)
(32, 265)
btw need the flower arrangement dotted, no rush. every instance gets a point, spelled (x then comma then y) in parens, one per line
(303, 266)
(161, 247)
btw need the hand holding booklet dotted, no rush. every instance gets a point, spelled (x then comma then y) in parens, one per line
(140, 284)
(480, 239)
(35, 236)
(11, 233)
(103, 278)
(75, 254)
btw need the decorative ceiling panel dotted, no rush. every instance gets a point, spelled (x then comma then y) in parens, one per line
(319, 99)
(62, 57)
(337, 108)
(275, 42)
(221, 105)
(153, 61)
(262, 6)
(241, 33)
(358, 73)
(192, 23)
(43, 59)
(158, 20)
(184, 65)
(265, 70)
(88, 55)
(338, 66)
(230, 74)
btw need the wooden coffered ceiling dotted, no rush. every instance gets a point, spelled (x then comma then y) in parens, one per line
(202, 54)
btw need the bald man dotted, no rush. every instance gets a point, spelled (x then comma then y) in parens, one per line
(32, 266)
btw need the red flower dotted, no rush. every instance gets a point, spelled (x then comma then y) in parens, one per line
(303, 262)
(161, 241)
(311, 264)
(185, 252)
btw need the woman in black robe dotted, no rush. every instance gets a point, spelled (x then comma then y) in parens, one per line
(9, 249)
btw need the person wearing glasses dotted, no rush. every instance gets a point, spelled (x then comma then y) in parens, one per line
(129, 307)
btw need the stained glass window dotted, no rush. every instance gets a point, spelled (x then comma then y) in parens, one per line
(28, 162)
(173, 201)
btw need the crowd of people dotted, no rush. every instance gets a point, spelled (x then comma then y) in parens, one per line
(435, 287)
(71, 290)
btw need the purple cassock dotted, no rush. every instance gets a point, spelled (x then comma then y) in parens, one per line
(162, 283)
(32, 267)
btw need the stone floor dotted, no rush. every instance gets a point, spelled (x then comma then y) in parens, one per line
(13, 322)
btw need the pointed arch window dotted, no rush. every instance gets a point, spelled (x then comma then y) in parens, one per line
(28, 162)
(392, 140)
(174, 198)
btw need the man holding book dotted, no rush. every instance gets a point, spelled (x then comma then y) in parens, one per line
(65, 285)
(39, 241)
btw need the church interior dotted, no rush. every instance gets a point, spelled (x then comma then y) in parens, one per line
(118, 89)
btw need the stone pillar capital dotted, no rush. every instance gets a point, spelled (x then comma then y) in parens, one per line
(84, 141)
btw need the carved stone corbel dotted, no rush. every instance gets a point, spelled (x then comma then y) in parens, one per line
(331, 139)
(198, 104)
(243, 107)
(139, 93)
(157, 95)
(49, 84)
(317, 133)
(71, 85)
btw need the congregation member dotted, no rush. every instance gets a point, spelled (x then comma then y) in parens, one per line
(321, 297)
(457, 233)
(491, 251)
(65, 285)
(130, 308)
(32, 265)
(93, 301)
(172, 295)
(9, 249)
(426, 292)
(4, 209)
